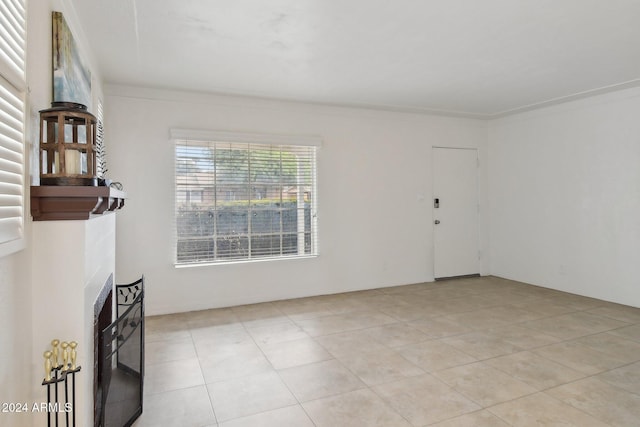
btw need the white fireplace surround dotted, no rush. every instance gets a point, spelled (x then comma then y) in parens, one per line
(73, 260)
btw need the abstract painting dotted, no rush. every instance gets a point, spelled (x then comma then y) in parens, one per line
(71, 77)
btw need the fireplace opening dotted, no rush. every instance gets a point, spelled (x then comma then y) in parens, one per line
(103, 317)
(119, 369)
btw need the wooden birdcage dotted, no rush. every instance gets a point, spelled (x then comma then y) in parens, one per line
(67, 145)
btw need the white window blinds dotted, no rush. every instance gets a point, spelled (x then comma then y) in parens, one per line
(238, 200)
(12, 84)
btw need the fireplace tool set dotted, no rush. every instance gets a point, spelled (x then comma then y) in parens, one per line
(59, 366)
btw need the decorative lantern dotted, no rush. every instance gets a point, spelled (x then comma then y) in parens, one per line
(67, 145)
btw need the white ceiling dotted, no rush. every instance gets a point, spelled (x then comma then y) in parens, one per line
(472, 57)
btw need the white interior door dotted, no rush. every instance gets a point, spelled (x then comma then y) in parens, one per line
(455, 228)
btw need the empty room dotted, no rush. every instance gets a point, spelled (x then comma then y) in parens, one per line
(319, 213)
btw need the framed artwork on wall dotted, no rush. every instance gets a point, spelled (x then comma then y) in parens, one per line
(71, 76)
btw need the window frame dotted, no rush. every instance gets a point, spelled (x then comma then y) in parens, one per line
(12, 124)
(205, 137)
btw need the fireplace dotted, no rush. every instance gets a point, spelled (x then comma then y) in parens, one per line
(74, 267)
(119, 356)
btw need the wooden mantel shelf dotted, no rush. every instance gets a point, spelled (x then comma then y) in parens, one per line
(53, 202)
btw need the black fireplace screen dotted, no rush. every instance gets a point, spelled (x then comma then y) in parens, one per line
(122, 373)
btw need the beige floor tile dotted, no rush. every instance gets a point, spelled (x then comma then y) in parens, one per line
(219, 332)
(574, 325)
(216, 331)
(434, 355)
(168, 350)
(483, 384)
(167, 327)
(267, 321)
(482, 418)
(480, 319)
(381, 300)
(531, 290)
(535, 370)
(508, 296)
(249, 395)
(601, 400)
(347, 344)
(541, 410)
(321, 379)
(424, 400)
(482, 345)
(295, 353)
(280, 332)
(621, 348)
(439, 327)
(446, 292)
(240, 363)
(523, 337)
(623, 313)
(626, 377)
(465, 304)
(430, 300)
(576, 302)
(293, 416)
(381, 367)
(361, 408)
(189, 407)
(396, 334)
(344, 322)
(546, 307)
(347, 303)
(514, 313)
(579, 357)
(630, 332)
(389, 337)
(174, 375)
(249, 312)
(367, 319)
(495, 316)
(213, 317)
(262, 314)
(222, 342)
(406, 311)
(304, 308)
(408, 289)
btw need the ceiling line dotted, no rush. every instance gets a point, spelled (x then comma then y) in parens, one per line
(566, 98)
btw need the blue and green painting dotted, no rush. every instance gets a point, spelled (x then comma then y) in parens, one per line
(71, 77)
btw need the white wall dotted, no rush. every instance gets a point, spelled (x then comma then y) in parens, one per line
(564, 195)
(15, 344)
(374, 185)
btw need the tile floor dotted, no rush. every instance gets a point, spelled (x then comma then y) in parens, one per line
(466, 352)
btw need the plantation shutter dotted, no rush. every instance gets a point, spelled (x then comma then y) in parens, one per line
(12, 84)
(244, 197)
(12, 42)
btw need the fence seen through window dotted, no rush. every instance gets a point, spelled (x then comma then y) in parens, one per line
(242, 201)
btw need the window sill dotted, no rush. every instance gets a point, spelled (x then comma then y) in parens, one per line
(247, 261)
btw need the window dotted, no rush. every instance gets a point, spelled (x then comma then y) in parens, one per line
(12, 88)
(244, 196)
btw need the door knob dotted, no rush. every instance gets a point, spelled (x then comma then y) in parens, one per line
(437, 221)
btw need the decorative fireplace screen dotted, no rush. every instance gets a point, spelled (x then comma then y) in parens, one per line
(121, 375)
